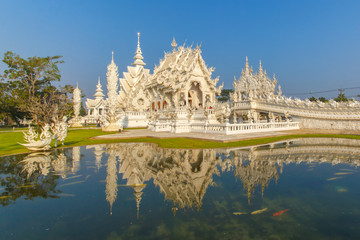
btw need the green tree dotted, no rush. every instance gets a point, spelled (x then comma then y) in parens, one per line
(225, 95)
(341, 98)
(323, 99)
(26, 88)
(313, 99)
(82, 110)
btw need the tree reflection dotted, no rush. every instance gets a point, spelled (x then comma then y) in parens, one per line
(30, 177)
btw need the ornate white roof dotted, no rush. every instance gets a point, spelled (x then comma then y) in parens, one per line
(99, 92)
(255, 86)
(99, 98)
(131, 94)
(179, 65)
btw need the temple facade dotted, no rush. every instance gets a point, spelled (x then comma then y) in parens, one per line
(181, 96)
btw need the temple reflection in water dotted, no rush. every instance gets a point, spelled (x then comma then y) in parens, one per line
(184, 175)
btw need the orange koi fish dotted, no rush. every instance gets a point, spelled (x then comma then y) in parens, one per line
(281, 212)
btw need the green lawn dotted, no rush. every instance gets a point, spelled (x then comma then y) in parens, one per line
(79, 137)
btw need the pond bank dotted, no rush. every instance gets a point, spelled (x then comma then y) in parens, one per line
(80, 137)
(144, 133)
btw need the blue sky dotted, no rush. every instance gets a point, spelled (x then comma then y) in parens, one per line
(309, 45)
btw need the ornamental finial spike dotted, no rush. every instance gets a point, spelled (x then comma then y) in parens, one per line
(260, 67)
(174, 44)
(247, 68)
(138, 54)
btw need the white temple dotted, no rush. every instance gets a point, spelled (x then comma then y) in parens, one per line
(180, 96)
(96, 107)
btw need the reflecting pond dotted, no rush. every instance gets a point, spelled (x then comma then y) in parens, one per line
(298, 189)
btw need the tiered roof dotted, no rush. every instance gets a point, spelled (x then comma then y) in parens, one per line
(179, 65)
(99, 97)
(256, 86)
(99, 92)
(134, 80)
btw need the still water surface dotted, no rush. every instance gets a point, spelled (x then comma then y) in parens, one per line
(300, 189)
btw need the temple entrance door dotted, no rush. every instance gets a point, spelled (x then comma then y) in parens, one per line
(195, 95)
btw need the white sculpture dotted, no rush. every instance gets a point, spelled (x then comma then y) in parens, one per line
(24, 121)
(58, 132)
(31, 135)
(76, 121)
(35, 144)
(59, 129)
(112, 86)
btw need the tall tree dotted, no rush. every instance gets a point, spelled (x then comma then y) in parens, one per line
(341, 98)
(26, 88)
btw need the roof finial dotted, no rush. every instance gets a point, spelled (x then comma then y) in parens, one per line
(98, 93)
(260, 68)
(174, 44)
(138, 54)
(247, 69)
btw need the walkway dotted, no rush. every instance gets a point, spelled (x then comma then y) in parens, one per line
(139, 133)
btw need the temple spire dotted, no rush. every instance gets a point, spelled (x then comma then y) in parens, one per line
(174, 44)
(99, 92)
(112, 76)
(138, 55)
(260, 68)
(247, 68)
(138, 191)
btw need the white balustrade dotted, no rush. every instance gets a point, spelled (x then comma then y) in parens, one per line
(225, 128)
